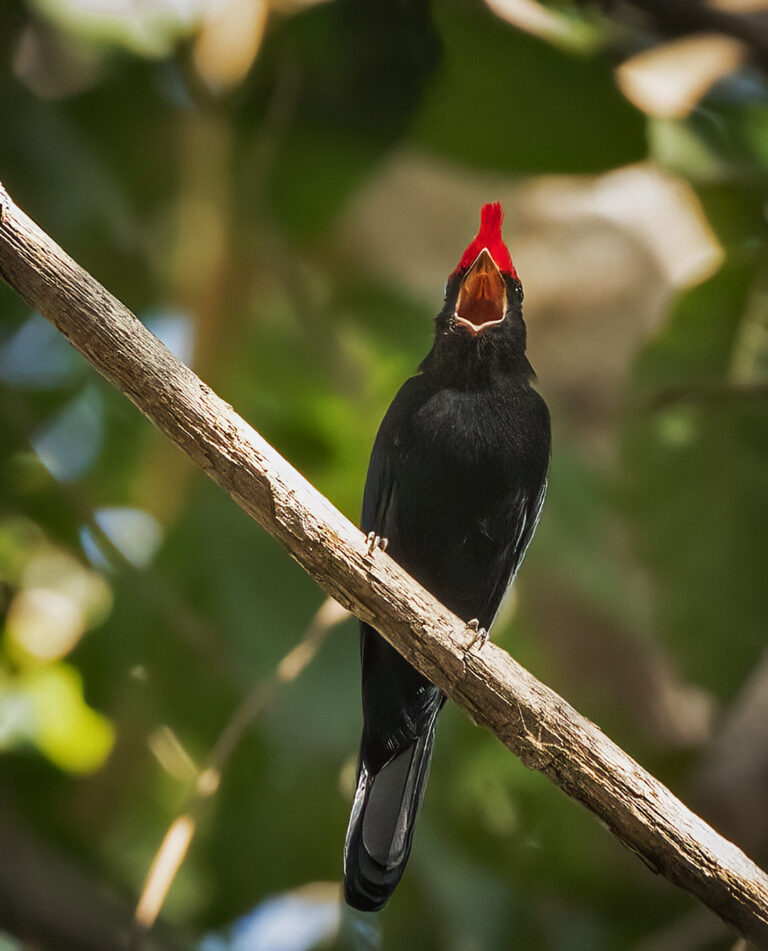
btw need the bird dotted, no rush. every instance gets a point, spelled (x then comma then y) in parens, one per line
(455, 486)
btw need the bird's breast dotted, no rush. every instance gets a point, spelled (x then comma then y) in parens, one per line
(471, 434)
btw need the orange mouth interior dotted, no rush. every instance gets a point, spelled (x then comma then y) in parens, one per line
(483, 296)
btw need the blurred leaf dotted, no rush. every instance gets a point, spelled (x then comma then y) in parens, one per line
(351, 76)
(69, 443)
(150, 31)
(38, 357)
(508, 102)
(71, 734)
(693, 492)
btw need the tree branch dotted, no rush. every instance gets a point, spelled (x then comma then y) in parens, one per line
(533, 721)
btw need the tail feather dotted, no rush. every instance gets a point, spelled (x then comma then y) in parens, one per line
(381, 825)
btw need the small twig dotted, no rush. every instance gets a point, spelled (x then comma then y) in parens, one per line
(175, 845)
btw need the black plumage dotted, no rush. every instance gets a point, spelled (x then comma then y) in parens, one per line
(455, 484)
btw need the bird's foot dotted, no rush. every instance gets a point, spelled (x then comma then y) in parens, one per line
(480, 635)
(374, 541)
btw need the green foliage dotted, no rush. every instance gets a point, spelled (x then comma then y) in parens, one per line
(507, 102)
(692, 467)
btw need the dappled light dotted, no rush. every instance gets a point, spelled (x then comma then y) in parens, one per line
(297, 921)
(135, 534)
(670, 80)
(55, 602)
(69, 443)
(36, 356)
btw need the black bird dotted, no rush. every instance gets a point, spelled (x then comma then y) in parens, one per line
(455, 484)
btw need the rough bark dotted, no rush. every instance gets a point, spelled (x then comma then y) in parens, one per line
(534, 722)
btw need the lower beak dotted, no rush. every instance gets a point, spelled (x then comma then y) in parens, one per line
(482, 300)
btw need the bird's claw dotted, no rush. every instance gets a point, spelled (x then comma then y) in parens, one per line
(480, 635)
(375, 541)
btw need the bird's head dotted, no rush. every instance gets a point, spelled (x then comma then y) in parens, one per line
(480, 327)
(484, 287)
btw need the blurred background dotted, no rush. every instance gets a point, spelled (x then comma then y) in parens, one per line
(279, 190)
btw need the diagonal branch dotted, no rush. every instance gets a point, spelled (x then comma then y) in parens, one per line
(533, 721)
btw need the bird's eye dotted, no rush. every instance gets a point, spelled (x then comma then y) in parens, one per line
(519, 292)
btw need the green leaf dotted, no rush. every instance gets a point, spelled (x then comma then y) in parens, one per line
(694, 453)
(507, 102)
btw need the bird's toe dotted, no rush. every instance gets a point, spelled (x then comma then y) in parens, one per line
(479, 634)
(374, 541)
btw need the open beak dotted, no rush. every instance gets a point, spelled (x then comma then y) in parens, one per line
(482, 300)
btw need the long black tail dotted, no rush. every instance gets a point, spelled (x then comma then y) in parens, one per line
(381, 825)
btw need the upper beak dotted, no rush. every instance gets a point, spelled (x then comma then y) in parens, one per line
(482, 299)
